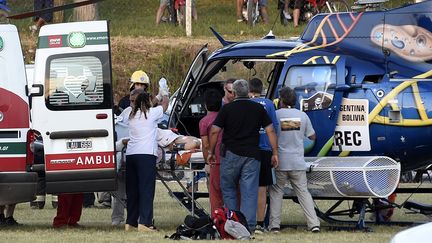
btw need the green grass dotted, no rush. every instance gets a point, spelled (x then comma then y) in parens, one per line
(169, 214)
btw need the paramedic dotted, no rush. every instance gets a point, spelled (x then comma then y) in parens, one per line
(241, 121)
(138, 80)
(294, 125)
(141, 154)
(212, 99)
(69, 210)
(265, 177)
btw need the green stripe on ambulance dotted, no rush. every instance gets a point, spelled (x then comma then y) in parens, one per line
(12, 148)
(73, 40)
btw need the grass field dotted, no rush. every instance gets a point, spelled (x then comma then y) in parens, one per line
(169, 214)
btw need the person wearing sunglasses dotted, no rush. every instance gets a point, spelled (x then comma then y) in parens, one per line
(228, 90)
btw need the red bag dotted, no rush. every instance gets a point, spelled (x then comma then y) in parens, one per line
(221, 215)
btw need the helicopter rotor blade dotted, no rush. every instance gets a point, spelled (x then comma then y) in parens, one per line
(53, 9)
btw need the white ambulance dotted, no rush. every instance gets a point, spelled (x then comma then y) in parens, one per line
(69, 104)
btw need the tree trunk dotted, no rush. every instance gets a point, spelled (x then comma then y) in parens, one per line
(58, 15)
(85, 13)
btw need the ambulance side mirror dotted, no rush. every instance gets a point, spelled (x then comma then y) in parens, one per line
(35, 90)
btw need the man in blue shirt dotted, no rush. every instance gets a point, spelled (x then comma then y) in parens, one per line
(265, 177)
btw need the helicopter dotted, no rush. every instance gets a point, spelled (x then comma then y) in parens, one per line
(361, 77)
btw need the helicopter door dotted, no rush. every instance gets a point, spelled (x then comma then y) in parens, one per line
(191, 80)
(320, 87)
(72, 106)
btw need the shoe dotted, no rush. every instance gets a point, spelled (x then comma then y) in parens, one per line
(259, 230)
(116, 222)
(10, 221)
(286, 15)
(315, 229)
(145, 228)
(239, 20)
(274, 230)
(129, 227)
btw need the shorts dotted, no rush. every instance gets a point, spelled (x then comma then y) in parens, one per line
(266, 176)
(165, 2)
(298, 4)
(165, 137)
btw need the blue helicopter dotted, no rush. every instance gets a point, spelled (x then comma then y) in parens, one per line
(361, 77)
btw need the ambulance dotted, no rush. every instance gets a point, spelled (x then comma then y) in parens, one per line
(67, 104)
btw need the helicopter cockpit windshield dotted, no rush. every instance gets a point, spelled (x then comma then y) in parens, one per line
(314, 85)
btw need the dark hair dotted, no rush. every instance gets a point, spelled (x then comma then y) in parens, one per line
(255, 85)
(142, 102)
(288, 96)
(213, 100)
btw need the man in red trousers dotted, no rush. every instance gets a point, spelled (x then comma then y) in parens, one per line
(68, 210)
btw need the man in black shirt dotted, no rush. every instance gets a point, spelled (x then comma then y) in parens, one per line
(241, 121)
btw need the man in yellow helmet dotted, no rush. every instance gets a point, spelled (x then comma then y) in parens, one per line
(138, 80)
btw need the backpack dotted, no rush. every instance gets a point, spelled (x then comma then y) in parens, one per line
(220, 218)
(195, 228)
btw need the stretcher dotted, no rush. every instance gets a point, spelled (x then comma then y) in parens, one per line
(172, 166)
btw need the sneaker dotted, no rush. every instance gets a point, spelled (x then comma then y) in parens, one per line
(274, 230)
(286, 15)
(259, 230)
(10, 221)
(239, 20)
(116, 222)
(315, 229)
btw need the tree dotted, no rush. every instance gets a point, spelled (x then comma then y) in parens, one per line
(85, 13)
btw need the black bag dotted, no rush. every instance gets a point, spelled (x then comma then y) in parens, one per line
(195, 228)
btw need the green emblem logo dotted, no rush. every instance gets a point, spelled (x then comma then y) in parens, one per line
(1, 43)
(76, 39)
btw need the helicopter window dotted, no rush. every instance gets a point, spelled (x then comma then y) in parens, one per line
(372, 78)
(76, 82)
(247, 69)
(314, 85)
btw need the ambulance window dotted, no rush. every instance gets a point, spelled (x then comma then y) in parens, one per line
(76, 82)
(314, 85)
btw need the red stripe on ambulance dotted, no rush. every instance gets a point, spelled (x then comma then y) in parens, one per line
(77, 161)
(11, 164)
(15, 110)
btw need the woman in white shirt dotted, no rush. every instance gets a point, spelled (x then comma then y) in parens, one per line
(141, 155)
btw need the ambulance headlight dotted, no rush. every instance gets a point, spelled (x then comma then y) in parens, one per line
(76, 39)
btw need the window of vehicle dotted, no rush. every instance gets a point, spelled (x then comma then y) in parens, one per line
(77, 82)
(247, 69)
(314, 85)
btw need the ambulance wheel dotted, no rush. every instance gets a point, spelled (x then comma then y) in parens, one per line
(4, 17)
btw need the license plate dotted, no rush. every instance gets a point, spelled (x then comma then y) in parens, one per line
(79, 144)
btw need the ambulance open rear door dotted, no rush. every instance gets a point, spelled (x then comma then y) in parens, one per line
(72, 106)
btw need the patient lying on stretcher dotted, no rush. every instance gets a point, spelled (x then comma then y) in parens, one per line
(168, 140)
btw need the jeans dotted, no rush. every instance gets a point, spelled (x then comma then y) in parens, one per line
(140, 188)
(243, 173)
